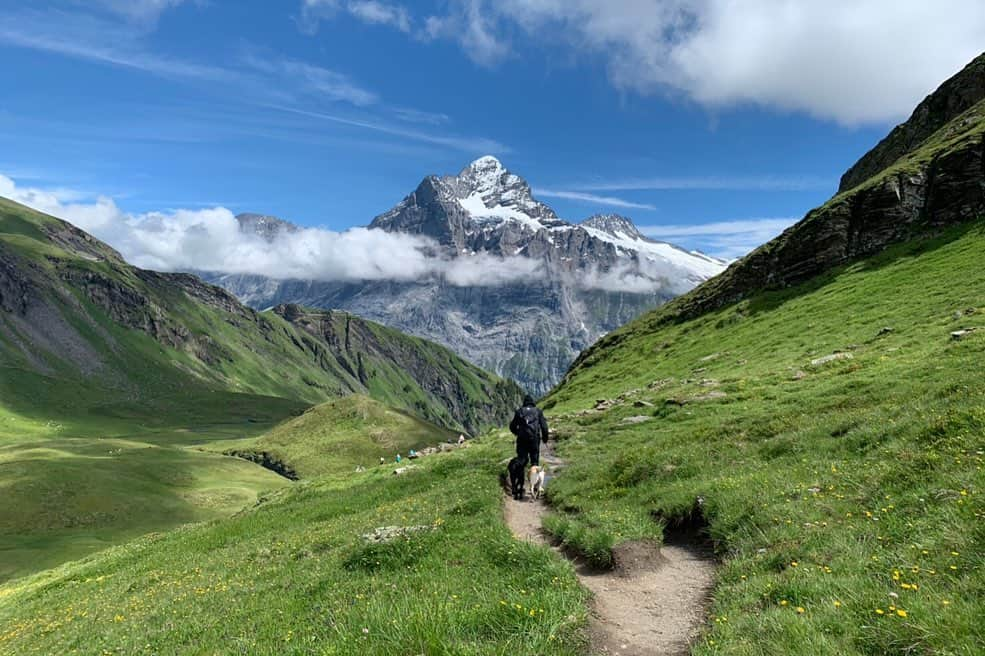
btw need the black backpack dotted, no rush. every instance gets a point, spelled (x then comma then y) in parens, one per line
(530, 426)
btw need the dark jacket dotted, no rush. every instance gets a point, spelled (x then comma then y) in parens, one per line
(519, 424)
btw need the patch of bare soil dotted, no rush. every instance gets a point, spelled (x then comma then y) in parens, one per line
(651, 603)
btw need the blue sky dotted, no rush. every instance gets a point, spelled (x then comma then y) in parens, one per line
(711, 123)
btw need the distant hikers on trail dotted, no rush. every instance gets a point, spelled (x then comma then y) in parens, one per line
(530, 427)
(461, 439)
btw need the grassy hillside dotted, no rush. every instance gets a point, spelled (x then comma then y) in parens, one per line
(108, 373)
(79, 319)
(338, 436)
(296, 576)
(846, 497)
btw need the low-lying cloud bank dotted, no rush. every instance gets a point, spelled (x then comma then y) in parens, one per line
(211, 240)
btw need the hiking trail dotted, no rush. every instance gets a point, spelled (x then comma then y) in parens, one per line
(652, 603)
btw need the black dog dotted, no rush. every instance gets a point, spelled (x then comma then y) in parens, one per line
(515, 468)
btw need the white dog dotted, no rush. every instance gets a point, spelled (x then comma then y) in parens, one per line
(536, 481)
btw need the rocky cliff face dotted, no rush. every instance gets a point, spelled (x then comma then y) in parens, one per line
(956, 96)
(925, 176)
(587, 279)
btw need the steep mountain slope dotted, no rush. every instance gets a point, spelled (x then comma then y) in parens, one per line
(75, 312)
(935, 182)
(582, 281)
(108, 373)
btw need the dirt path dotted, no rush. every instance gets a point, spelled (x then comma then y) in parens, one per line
(651, 604)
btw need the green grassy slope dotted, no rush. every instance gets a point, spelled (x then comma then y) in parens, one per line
(83, 326)
(338, 436)
(108, 373)
(408, 372)
(846, 497)
(295, 576)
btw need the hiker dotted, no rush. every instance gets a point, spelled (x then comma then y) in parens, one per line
(461, 439)
(382, 461)
(530, 428)
(398, 457)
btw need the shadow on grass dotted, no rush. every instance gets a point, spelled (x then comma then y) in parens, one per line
(770, 300)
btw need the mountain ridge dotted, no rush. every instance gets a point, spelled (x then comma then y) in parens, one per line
(582, 280)
(69, 301)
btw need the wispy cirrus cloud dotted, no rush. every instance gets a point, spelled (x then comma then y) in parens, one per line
(418, 116)
(467, 144)
(724, 239)
(139, 11)
(713, 183)
(86, 37)
(310, 80)
(592, 199)
(291, 84)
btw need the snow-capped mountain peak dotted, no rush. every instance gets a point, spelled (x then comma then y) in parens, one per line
(487, 191)
(615, 225)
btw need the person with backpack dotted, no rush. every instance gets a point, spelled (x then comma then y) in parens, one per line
(530, 428)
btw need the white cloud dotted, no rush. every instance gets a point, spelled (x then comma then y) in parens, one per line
(852, 61)
(209, 239)
(380, 13)
(485, 270)
(474, 30)
(594, 199)
(725, 239)
(373, 12)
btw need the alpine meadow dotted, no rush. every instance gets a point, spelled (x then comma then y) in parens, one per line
(753, 450)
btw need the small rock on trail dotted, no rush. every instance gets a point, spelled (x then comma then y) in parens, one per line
(652, 603)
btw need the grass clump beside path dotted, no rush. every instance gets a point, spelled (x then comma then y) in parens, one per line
(295, 575)
(847, 497)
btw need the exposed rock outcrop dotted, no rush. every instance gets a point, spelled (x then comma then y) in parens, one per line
(956, 96)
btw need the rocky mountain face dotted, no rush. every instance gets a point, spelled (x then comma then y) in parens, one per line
(264, 226)
(584, 279)
(954, 97)
(82, 324)
(928, 174)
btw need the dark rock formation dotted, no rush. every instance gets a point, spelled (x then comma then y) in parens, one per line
(956, 96)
